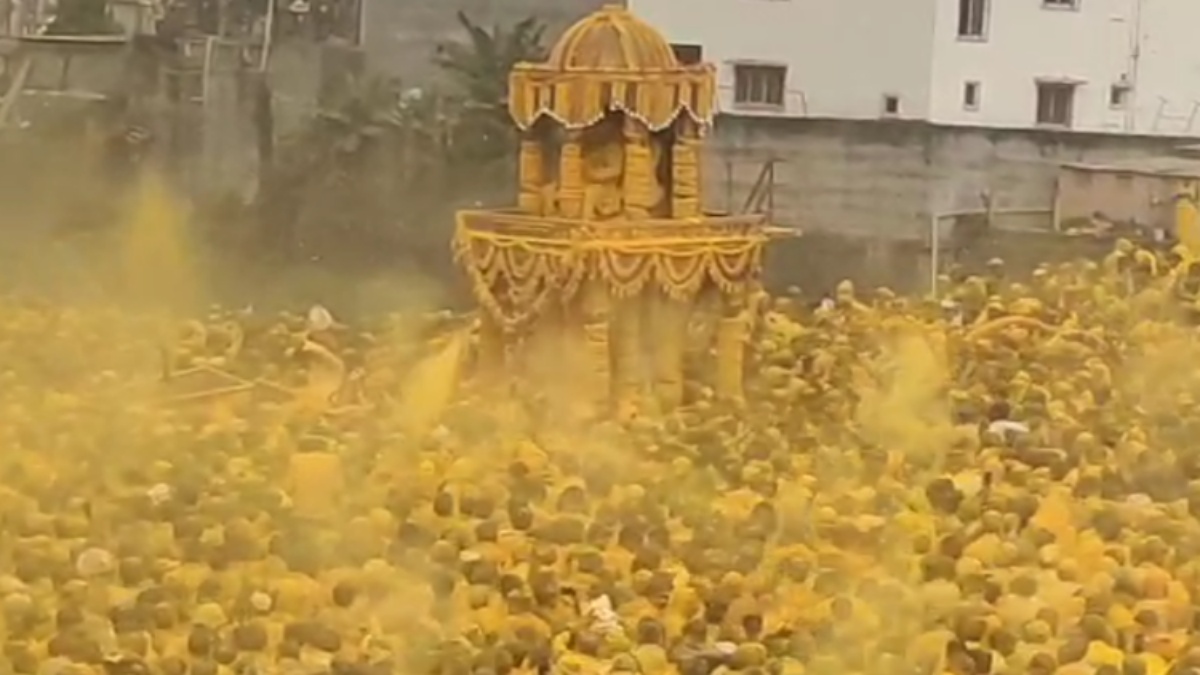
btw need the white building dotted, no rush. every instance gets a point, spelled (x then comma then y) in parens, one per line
(1116, 66)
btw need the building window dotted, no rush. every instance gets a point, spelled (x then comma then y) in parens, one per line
(1055, 103)
(972, 18)
(971, 95)
(688, 55)
(1118, 96)
(759, 85)
(891, 105)
(1060, 4)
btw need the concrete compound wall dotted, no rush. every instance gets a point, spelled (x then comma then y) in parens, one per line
(228, 161)
(885, 178)
(864, 191)
(300, 73)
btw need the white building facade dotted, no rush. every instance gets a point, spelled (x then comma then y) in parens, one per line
(1108, 66)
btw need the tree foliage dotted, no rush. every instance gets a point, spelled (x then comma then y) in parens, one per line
(380, 161)
(480, 67)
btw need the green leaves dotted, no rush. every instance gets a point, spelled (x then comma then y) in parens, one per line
(379, 152)
(478, 67)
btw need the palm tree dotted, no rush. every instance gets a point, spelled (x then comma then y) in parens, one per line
(377, 155)
(321, 172)
(365, 111)
(479, 67)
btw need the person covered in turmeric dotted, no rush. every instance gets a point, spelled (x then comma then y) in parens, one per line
(1007, 487)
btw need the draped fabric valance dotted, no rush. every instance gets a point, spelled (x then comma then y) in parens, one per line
(580, 99)
(514, 277)
(611, 61)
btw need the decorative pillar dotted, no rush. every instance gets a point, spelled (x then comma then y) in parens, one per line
(627, 360)
(596, 305)
(639, 178)
(733, 332)
(532, 167)
(491, 350)
(570, 175)
(546, 350)
(669, 318)
(685, 170)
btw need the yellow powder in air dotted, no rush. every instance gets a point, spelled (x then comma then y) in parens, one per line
(431, 384)
(158, 259)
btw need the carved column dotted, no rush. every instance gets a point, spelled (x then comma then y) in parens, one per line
(490, 355)
(596, 306)
(639, 169)
(733, 332)
(570, 175)
(532, 178)
(628, 339)
(686, 170)
(669, 318)
(546, 350)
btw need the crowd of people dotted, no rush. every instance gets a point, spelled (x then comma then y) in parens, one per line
(1001, 478)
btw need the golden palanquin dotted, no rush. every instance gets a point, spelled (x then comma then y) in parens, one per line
(609, 239)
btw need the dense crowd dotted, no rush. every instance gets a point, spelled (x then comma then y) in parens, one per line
(999, 478)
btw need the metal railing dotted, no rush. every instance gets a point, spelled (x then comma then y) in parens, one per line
(1001, 219)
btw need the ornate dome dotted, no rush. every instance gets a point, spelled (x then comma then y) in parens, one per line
(612, 39)
(611, 61)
